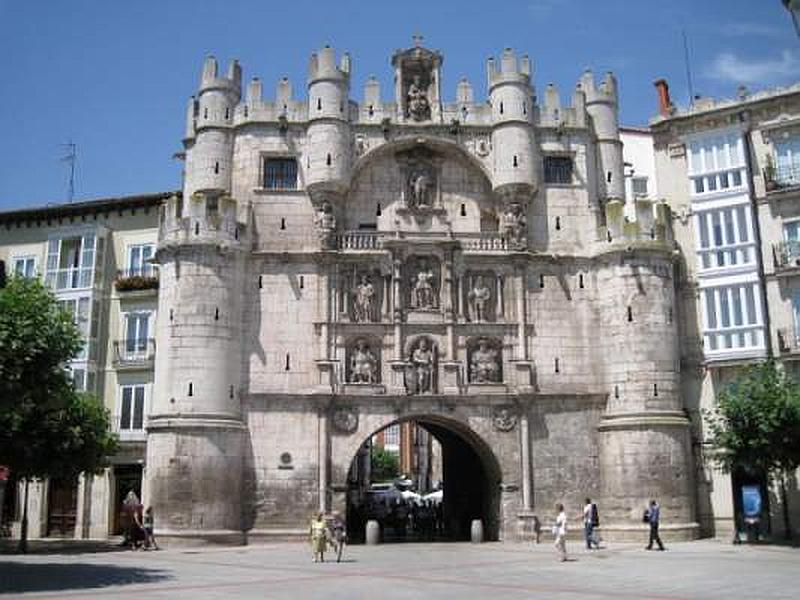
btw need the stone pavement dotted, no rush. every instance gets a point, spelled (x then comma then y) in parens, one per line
(705, 569)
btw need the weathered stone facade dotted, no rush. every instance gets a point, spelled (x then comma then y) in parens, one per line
(335, 267)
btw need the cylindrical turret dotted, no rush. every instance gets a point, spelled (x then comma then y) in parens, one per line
(603, 108)
(209, 153)
(644, 437)
(511, 98)
(328, 142)
(195, 431)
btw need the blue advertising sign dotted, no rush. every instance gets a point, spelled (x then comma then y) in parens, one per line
(751, 500)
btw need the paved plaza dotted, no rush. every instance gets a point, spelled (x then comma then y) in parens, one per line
(704, 569)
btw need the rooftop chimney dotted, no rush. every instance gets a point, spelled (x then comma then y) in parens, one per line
(665, 107)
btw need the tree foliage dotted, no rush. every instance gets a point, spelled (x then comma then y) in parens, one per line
(384, 465)
(755, 425)
(46, 427)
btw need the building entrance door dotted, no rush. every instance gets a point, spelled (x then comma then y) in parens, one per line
(127, 478)
(62, 507)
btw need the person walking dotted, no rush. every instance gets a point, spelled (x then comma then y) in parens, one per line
(590, 521)
(317, 532)
(149, 536)
(654, 518)
(560, 532)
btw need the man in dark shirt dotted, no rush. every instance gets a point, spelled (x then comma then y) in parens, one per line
(654, 518)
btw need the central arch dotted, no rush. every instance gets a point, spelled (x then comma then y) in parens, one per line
(469, 488)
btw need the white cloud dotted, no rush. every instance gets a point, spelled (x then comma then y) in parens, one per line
(729, 67)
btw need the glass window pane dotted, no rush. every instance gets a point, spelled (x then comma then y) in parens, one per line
(711, 311)
(742, 222)
(711, 181)
(751, 304)
(702, 220)
(698, 185)
(737, 178)
(716, 228)
(725, 316)
(138, 409)
(730, 236)
(125, 410)
(737, 307)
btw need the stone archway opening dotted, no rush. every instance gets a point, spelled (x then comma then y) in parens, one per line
(446, 477)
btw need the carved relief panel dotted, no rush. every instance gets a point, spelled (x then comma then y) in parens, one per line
(485, 357)
(363, 360)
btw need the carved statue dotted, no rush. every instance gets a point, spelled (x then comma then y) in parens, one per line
(422, 365)
(484, 365)
(417, 101)
(363, 307)
(419, 187)
(479, 297)
(424, 294)
(363, 364)
(515, 226)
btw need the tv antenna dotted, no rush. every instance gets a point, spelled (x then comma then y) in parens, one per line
(70, 159)
(688, 67)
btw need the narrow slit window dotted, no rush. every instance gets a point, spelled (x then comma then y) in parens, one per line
(608, 177)
(580, 281)
(515, 161)
(227, 113)
(558, 223)
(216, 314)
(630, 314)
(655, 389)
(541, 280)
(288, 362)
(216, 168)
(260, 282)
(463, 210)
(171, 314)
(328, 160)
(378, 209)
(191, 389)
(616, 391)
(230, 393)
(501, 108)
(197, 228)
(283, 223)
(302, 282)
(319, 103)
(557, 366)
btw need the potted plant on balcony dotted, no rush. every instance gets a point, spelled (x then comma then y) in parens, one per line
(770, 182)
(133, 283)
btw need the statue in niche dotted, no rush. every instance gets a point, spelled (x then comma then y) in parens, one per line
(417, 103)
(420, 188)
(363, 364)
(424, 293)
(484, 364)
(514, 225)
(422, 362)
(479, 297)
(364, 304)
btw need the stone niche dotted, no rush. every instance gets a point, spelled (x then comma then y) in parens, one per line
(485, 365)
(423, 283)
(420, 176)
(483, 302)
(364, 293)
(421, 369)
(417, 82)
(363, 366)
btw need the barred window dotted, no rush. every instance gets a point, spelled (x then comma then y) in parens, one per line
(639, 186)
(557, 169)
(280, 174)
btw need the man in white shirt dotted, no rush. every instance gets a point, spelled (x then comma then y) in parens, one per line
(560, 532)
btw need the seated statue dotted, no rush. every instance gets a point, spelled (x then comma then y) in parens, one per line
(363, 364)
(417, 101)
(484, 366)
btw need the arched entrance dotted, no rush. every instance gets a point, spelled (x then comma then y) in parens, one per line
(446, 476)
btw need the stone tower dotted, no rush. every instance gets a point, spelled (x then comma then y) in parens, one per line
(196, 432)
(602, 107)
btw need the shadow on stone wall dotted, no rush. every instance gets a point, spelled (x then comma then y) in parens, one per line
(19, 577)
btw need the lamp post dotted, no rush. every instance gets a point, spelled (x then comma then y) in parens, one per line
(793, 6)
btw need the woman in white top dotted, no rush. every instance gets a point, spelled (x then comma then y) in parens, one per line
(560, 532)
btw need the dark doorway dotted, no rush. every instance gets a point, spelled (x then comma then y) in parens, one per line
(464, 486)
(126, 478)
(62, 507)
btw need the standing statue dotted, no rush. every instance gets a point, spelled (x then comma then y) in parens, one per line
(424, 294)
(363, 364)
(479, 297)
(514, 225)
(417, 101)
(422, 365)
(419, 185)
(484, 366)
(363, 307)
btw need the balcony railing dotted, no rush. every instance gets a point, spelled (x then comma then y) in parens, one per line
(134, 354)
(786, 255)
(484, 241)
(788, 342)
(69, 279)
(783, 176)
(373, 240)
(358, 240)
(141, 278)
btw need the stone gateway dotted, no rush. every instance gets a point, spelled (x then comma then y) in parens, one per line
(333, 268)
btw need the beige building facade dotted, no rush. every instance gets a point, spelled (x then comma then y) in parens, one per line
(333, 268)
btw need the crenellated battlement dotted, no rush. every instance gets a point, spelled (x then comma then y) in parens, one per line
(322, 65)
(210, 78)
(509, 69)
(606, 91)
(204, 219)
(652, 222)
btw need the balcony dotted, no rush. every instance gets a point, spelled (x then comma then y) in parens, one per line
(786, 257)
(143, 279)
(374, 240)
(782, 177)
(788, 342)
(134, 354)
(73, 278)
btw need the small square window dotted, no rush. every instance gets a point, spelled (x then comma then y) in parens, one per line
(280, 174)
(639, 186)
(557, 169)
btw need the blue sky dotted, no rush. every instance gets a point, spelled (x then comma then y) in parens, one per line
(114, 76)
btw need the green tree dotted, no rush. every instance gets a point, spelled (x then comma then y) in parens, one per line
(383, 465)
(47, 429)
(755, 425)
